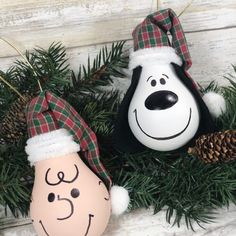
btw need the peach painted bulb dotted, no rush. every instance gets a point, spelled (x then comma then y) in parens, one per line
(68, 199)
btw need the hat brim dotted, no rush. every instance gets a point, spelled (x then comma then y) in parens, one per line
(50, 145)
(155, 55)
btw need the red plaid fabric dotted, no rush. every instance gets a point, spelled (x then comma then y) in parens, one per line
(152, 32)
(47, 112)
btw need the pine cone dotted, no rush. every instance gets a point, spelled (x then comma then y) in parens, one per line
(13, 125)
(219, 146)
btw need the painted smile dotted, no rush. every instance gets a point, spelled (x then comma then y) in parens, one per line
(40, 222)
(89, 224)
(87, 230)
(163, 138)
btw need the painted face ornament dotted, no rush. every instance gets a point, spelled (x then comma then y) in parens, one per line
(68, 197)
(162, 108)
(163, 114)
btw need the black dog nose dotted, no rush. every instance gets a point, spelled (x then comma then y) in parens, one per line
(161, 100)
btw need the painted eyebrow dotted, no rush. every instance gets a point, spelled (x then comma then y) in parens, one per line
(149, 77)
(166, 76)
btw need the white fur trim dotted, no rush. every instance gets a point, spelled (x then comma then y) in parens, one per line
(50, 145)
(215, 103)
(156, 55)
(119, 200)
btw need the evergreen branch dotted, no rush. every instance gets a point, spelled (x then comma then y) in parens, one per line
(13, 193)
(212, 86)
(188, 187)
(98, 110)
(98, 73)
(228, 119)
(11, 87)
(7, 97)
(49, 67)
(53, 73)
(15, 173)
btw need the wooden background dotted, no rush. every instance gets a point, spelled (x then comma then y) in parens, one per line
(84, 26)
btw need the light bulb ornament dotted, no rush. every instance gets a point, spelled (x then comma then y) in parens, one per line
(69, 197)
(162, 109)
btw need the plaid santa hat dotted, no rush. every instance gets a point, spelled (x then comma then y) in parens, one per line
(152, 44)
(56, 129)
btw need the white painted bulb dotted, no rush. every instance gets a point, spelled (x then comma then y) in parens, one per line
(163, 114)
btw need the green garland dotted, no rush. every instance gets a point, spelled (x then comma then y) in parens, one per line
(188, 188)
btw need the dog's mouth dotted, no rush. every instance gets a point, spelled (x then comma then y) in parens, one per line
(163, 138)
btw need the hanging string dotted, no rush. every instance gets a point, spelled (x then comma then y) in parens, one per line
(155, 4)
(11, 87)
(24, 58)
(158, 4)
(184, 10)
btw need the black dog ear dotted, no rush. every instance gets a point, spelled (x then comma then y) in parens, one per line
(123, 138)
(207, 124)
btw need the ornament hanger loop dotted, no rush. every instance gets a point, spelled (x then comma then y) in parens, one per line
(24, 58)
(11, 87)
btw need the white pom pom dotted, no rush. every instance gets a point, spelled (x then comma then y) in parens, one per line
(119, 199)
(215, 103)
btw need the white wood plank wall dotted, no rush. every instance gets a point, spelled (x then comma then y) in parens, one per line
(84, 26)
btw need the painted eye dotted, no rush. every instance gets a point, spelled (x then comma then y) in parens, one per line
(51, 197)
(153, 83)
(74, 193)
(162, 81)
